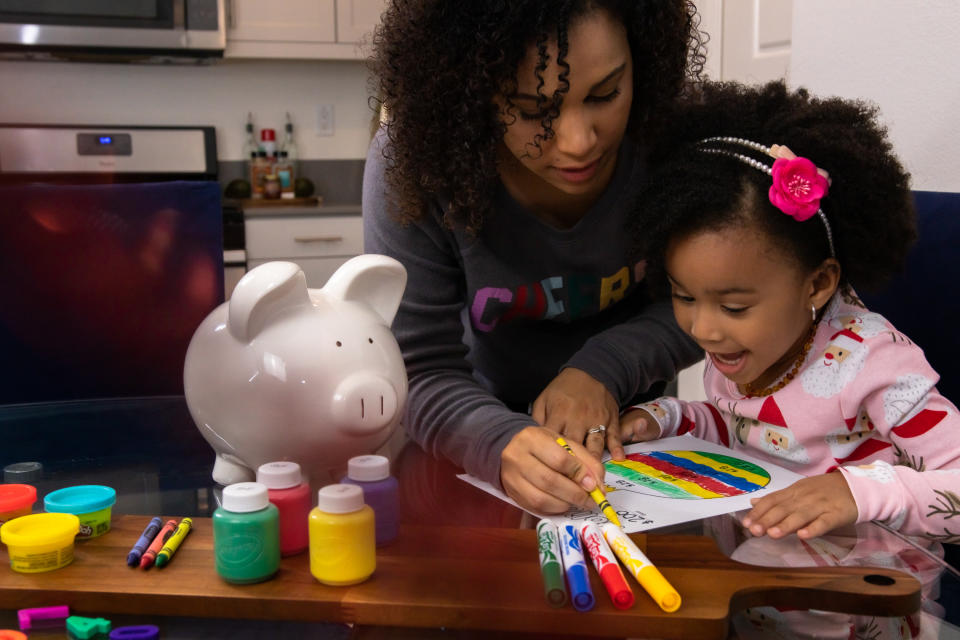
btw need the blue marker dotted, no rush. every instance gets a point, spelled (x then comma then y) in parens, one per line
(578, 577)
(133, 558)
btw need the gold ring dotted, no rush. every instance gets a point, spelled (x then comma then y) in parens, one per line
(597, 429)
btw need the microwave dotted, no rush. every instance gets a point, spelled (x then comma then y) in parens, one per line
(89, 30)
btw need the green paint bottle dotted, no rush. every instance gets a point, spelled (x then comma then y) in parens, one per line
(246, 534)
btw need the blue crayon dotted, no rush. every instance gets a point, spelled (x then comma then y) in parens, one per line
(578, 577)
(133, 558)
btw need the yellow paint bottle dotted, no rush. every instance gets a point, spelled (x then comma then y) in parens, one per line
(343, 547)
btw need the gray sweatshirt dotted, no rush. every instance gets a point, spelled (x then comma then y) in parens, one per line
(488, 320)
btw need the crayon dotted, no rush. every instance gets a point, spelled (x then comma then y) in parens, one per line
(642, 569)
(578, 577)
(607, 566)
(133, 558)
(151, 553)
(551, 565)
(596, 494)
(170, 546)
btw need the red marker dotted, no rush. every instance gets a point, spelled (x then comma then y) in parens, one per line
(150, 555)
(607, 566)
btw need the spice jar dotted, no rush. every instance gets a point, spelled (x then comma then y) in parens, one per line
(271, 186)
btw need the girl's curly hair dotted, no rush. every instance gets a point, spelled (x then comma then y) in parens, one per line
(869, 204)
(439, 64)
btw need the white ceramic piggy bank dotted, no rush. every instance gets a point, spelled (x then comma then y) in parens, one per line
(283, 372)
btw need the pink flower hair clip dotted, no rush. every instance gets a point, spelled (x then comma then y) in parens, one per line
(798, 185)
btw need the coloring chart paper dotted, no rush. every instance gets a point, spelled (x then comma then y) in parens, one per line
(674, 480)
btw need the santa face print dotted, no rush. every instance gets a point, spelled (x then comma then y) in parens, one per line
(744, 304)
(844, 440)
(834, 355)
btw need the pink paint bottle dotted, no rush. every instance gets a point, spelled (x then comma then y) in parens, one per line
(292, 497)
(380, 491)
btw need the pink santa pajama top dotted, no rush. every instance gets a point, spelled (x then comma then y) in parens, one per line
(865, 403)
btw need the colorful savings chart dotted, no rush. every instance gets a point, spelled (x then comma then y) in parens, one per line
(675, 480)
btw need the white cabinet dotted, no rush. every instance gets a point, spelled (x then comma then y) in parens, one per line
(319, 29)
(319, 244)
(357, 18)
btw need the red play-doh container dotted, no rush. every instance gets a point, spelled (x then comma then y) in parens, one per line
(16, 500)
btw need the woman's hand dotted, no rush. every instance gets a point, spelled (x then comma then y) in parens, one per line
(541, 476)
(575, 402)
(810, 506)
(637, 425)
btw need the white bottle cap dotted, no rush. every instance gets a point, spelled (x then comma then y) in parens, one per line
(368, 468)
(243, 497)
(340, 498)
(279, 475)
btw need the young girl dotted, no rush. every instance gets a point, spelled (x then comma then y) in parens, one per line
(769, 213)
(515, 136)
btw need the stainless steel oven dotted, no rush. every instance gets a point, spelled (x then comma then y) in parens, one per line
(133, 28)
(111, 254)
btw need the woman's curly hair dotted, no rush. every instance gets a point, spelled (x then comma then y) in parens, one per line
(869, 204)
(439, 64)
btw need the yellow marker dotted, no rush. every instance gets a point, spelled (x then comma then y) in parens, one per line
(173, 543)
(642, 569)
(596, 494)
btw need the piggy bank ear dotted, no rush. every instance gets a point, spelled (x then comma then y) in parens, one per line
(373, 279)
(261, 293)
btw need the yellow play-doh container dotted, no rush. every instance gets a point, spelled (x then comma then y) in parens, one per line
(92, 503)
(40, 542)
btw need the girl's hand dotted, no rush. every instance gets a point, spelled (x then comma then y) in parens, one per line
(542, 476)
(637, 425)
(575, 402)
(811, 507)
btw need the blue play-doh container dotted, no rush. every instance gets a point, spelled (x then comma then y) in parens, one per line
(91, 503)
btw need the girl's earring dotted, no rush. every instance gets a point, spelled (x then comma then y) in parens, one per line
(813, 312)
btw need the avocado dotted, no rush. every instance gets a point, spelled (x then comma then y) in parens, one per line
(238, 188)
(303, 188)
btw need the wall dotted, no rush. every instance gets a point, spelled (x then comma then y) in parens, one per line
(898, 55)
(219, 94)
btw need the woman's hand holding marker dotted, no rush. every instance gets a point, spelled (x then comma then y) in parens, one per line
(595, 493)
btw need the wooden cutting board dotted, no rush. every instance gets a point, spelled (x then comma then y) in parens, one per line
(453, 577)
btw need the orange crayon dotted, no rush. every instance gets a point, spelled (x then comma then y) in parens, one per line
(150, 555)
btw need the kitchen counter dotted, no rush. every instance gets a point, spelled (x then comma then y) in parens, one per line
(289, 211)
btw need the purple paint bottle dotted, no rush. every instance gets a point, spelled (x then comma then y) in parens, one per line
(380, 491)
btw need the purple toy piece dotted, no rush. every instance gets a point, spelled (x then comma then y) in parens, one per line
(140, 632)
(43, 617)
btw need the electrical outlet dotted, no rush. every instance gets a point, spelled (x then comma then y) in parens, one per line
(325, 120)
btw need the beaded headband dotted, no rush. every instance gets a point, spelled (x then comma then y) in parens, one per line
(798, 185)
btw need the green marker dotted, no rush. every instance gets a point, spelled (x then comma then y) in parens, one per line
(172, 543)
(548, 541)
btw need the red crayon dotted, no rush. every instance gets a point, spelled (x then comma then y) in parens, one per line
(150, 555)
(607, 566)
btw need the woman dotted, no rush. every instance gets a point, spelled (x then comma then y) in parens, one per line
(502, 177)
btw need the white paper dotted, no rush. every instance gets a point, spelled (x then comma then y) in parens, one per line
(640, 507)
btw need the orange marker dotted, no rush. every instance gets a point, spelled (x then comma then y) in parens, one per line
(150, 555)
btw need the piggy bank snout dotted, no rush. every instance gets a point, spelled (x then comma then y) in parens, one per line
(364, 403)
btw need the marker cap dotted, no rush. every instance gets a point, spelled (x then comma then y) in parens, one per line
(368, 468)
(243, 497)
(279, 475)
(340, 498)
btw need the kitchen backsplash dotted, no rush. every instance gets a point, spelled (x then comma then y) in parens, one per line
(336, 181)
